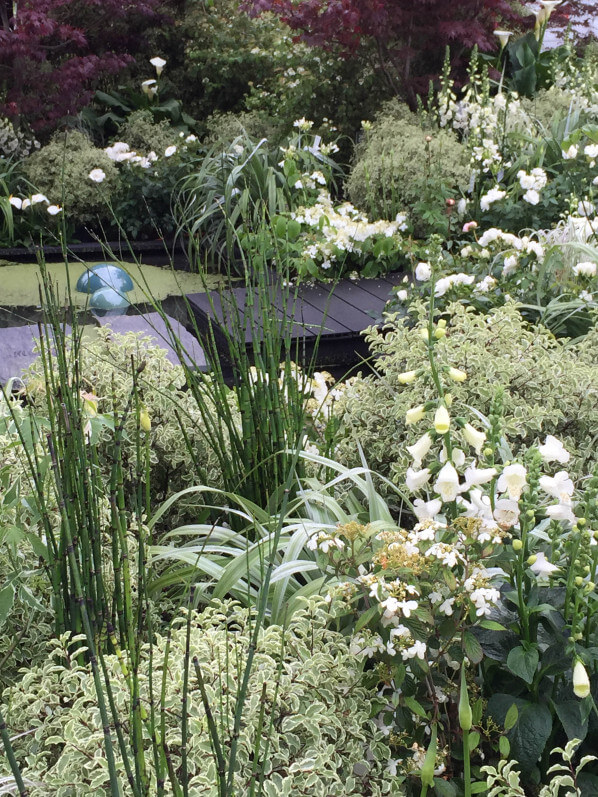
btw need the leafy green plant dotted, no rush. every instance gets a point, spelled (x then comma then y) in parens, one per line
(307, 724)
(403, 164)
(241, 186)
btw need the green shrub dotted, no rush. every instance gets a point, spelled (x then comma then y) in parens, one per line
(106, 364)
(62, 169)
(144, 135)
(550, 387)
(400, 165)
(322, 740)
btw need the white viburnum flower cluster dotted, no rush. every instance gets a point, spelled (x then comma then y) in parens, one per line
(342, 228)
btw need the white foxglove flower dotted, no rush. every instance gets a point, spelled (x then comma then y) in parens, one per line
(158, 63)
(476, 476)
(457, 375)
(420, 448)
(415, 479)
(512, 481)
(407, 377)
(559, 486)
(542, 567)
(581, 682)
(426, 510)
(447, 484)
(442, 420)
(97, 175)
(506, 513)
(475, 438)
(553, 450)
(562, 512)
(414, 415)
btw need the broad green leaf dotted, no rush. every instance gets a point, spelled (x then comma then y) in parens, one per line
(523, 663)
(7, 597)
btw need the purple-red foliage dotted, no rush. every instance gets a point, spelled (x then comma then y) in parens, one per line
(410, 36)
(54, 52)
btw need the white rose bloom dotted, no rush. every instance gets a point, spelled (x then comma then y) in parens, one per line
(585, 269)
(423, 272)
(570, 153)
(526, 180)
(512, 481)
(169, 151)
(532, 197)
(494, 195)
(97, 175)
(591, 150)
(510, 265)
(553, 450)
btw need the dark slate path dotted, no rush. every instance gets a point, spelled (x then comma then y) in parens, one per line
(338, 314)
(17, 350)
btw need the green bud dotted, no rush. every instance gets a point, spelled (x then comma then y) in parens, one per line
(427, 771)
(590, 586)
(465, 713)
(578, 581)
(530, 514)
(517, 545)
(582, 521)
(488, 452)
(532, 559)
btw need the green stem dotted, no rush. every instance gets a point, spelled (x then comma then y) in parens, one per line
(466, 764)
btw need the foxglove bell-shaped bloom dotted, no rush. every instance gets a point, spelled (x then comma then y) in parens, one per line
(447, 484)
(512, 481)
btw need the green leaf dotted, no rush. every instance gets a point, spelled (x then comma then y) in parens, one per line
(504, 746)
(444, 788)
(415, 707)
(531, 732)
(523, 663)
(478, 788)
(473, 649)
(511, 717)
(492, 625)
(7, 597)
(574, 718)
